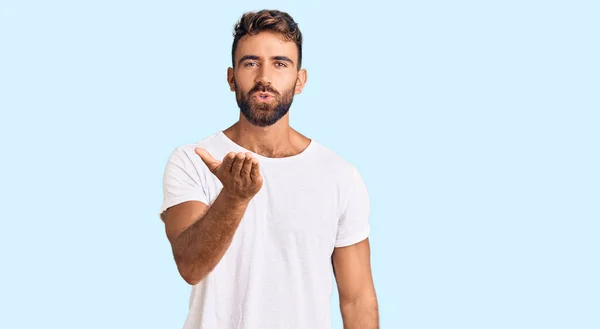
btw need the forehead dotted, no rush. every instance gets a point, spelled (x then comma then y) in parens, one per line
(266, 44)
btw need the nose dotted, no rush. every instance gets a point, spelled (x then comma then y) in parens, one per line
(263, 75)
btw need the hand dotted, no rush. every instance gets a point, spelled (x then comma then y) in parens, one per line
(238, 172)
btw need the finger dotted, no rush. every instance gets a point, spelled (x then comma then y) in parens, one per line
(207, 158)
(228, 161)
(239, 162)
(247, 167)
(255, 171)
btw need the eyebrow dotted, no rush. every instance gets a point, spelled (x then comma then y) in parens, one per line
(276, 58)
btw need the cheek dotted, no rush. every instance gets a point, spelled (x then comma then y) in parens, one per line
(243, 80)
(242, 89)
(285, 83)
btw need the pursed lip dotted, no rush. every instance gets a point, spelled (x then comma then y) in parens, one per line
(260, 94)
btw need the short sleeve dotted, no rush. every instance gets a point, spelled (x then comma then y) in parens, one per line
(353, 224)
(181, 181)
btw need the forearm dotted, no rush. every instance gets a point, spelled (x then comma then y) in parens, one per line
(360, 313)
(199, 248)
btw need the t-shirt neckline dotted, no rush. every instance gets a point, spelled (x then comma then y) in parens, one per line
(240, 148)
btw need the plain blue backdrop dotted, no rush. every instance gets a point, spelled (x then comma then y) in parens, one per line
(475, 125)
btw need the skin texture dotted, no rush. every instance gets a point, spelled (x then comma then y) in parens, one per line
(200, 235)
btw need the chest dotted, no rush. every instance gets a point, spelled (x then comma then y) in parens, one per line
(293, 210)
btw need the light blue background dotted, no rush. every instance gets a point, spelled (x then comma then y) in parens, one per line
(474, 124)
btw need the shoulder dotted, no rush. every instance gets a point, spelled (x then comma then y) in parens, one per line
(210, 143)
(185, 158)
(332, 162)
(335, 170)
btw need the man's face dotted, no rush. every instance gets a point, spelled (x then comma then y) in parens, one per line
(265, 78)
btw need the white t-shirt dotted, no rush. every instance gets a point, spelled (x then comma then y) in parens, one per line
(277, 272)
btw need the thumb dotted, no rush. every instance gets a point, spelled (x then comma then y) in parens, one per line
(208, 159)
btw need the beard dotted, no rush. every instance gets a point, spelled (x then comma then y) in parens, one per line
(264, 114)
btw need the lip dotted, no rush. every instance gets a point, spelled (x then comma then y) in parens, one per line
(259, 94)
(268, 97)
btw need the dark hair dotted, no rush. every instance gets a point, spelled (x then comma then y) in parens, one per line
(277, 21)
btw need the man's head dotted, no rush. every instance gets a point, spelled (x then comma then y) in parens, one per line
(266, 58)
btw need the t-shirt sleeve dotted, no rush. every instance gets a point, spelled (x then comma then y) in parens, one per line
(353, 224)
(181, 181)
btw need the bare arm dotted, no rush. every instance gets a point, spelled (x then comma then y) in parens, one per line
(358, 301)
(200, 247)
(200, 235)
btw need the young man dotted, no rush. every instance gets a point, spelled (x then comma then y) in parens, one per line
(259, 215)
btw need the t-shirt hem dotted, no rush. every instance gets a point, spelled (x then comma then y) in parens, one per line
(358, 237)
(180, 199)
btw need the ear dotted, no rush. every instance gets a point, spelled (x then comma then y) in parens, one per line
(301, 81)
(230, 79)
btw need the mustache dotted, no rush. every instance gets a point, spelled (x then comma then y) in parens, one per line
(264, 89)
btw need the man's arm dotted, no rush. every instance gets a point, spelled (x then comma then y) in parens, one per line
(200, 235)
(358, 301)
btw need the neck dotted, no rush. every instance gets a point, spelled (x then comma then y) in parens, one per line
(275, 141)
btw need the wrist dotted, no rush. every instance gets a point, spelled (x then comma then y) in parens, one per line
(234, 199)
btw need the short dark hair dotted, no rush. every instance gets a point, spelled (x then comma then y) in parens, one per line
(252, 23)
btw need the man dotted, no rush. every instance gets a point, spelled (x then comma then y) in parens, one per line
(258, 233)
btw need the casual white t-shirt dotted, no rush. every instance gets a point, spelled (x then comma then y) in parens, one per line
(277, 272)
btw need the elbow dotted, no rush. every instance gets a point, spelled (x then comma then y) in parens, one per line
(191, 269)
(192, 281)
(365, 298)
(191, 273)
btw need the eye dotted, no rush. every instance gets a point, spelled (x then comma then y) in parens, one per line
(247, 64)
(281, 64)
